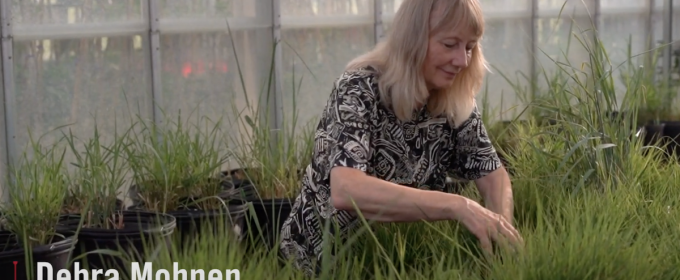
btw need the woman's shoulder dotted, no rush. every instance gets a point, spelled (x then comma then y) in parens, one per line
(361, 81)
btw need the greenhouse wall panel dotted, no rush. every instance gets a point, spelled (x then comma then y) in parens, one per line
(67, 63)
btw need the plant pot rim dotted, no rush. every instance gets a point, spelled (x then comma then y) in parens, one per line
(231, 209)
(151, 223)
(55, 247)
(273, 200)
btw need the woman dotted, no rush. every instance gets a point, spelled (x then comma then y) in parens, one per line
(397, 121)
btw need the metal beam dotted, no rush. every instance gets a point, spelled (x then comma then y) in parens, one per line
(489, 16)
(649, 44)
(534, 46)
(597, 16)
(9, 108)
(194, 25)
(278, 70)
(155, 53)
(27, 32)
(378, 28)
(667, 39)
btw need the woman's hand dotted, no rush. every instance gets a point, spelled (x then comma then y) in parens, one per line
(487, 225)
(384, 201)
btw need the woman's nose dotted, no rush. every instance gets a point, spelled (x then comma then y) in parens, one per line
(460, 58)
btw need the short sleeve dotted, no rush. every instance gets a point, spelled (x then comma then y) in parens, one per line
(349, 113)
(474, 155)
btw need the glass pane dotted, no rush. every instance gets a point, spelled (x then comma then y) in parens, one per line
(212, 15)
(201, 79)
(658, 4)
(503, 37)
(184, 9)
(557, 38)
(617, 34)
(571, 7)
(623, 3)
(325, 51)
(505, 5)
(390, 7)
(75, 11)
(326, 8)
(77, 81)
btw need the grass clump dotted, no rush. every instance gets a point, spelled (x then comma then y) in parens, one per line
(174, 168)
(36, 194)
(100, 174)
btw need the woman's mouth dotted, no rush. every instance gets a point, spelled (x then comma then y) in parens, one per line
(451, 74)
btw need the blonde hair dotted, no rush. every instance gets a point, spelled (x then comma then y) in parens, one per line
(399, 59)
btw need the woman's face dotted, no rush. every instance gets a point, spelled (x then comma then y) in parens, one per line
(448, 52)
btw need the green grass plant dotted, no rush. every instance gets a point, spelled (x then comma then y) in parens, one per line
(36, 189)
(174, 167)
(100, 174)
(36, 194)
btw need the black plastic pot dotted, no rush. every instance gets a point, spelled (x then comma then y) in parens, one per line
(237, 178)
(140, 230)
(190, 221)
(264, 217)
(652, 133)
(56, 254)
(671, 130)
(269, 215)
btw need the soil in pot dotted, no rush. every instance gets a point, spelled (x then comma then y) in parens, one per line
(139, 230)
(213, 186)
(236, 178)
(56, 254)
(120, 206)
(265, 225)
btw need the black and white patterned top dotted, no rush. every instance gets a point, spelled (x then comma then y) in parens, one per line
(356, 130)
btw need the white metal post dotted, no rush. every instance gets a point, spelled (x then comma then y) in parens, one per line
(155, 54)
(649, 27)
(596, 16)
(534, 46)
(278, 70)
(378, 28)
(667, 39)
(9, 109)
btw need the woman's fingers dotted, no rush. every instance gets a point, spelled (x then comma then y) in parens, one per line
(508, 235)
(501, 231)
(488, 226)
(485, 243)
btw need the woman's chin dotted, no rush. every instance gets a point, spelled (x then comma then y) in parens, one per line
(443, 84)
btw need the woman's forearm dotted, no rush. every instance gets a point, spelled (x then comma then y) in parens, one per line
(384, 201)
(496, 189)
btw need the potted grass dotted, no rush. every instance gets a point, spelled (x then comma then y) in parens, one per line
(176, 172)
(29, 220)
(93, 211)
(273, 164)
